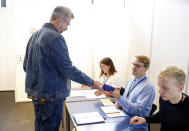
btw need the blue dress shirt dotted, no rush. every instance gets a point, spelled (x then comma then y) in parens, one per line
(138, 101)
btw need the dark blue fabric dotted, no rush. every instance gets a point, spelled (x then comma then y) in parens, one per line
(48, 115)
(3, 3)
(48, 66)
(108, 88)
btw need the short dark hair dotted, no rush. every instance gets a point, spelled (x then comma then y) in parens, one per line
(108, 61)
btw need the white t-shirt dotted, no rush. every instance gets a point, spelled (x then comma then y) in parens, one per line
(113, 80)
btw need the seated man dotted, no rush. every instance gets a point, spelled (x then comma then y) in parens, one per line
(139, 92)
(174, 105)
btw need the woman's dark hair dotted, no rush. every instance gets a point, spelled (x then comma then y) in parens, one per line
(107, 61)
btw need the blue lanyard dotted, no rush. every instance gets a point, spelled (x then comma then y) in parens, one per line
(130, 90)
(106, 80)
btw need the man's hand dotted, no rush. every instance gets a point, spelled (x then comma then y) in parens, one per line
(116, 94)
(117, 105)
(137, 120)
(98, 93)
(97, 85)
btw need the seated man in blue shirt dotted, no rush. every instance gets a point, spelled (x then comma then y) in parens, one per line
(139, 92)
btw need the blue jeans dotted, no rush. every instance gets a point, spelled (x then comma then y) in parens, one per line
(48, 115)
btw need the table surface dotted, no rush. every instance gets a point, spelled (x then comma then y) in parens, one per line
(110, 124)
(80, 98)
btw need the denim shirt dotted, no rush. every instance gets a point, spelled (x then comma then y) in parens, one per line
(48, 67)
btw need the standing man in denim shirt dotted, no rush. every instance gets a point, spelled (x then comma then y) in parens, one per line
(49, 71)
(139, 92)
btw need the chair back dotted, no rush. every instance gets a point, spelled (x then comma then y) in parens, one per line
(154, 107)
(122, 90)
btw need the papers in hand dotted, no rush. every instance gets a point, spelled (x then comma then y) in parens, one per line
(88, 118)
(107, 102)
(111, 111)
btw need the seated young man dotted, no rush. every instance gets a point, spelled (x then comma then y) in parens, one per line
(139, 92)
(174, 104)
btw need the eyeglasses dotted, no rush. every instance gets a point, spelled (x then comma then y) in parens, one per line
(137, 65)
(67, 23)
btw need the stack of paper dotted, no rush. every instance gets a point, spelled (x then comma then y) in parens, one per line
(107, 102)
(112, 111)
(88, 118)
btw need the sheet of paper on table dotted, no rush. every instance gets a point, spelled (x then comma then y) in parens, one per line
(88, 118)
(112, 111)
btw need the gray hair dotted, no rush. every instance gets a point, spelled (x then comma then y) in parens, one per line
(61, 12)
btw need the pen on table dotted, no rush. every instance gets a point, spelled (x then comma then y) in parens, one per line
(112, 112)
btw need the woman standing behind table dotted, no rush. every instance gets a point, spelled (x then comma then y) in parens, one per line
(108, 76)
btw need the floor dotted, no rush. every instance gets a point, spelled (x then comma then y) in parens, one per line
(20, 116)
(15, 116)
(155, 127)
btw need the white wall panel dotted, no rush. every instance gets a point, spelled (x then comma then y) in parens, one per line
(170, 38)
(111, 35)
(7, 69)
(141, 16)
(79, 36)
